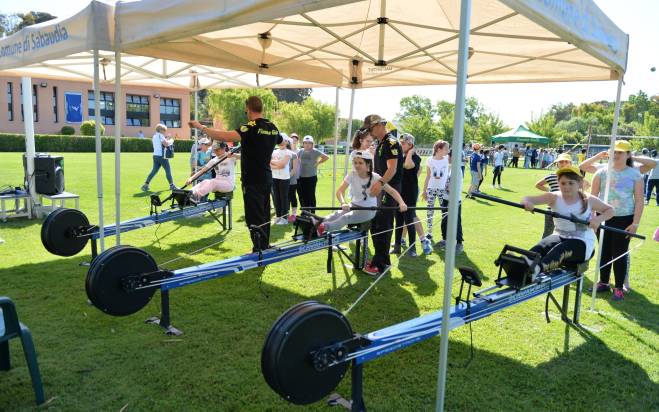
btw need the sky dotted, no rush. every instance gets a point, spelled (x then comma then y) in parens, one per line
(514, 103)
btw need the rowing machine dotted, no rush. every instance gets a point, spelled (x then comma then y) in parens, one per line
(65, 232)
(123, 279)
(307, 351)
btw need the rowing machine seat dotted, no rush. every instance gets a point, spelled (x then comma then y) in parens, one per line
(470, 276)
(361, 227)
(223, 195)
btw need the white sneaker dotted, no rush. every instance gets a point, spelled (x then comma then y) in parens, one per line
(500, 187)
(281, 221)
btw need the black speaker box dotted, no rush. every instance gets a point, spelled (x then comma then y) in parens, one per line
(48, 173)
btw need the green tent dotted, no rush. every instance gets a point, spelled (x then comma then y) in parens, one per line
(520, 135)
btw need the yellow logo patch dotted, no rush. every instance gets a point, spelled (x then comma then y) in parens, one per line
(244, 128)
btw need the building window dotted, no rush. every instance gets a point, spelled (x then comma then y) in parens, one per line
(10, 101)
(106, 105)
(170, 112)
(55, 104)
(137, 110)
(35, 104)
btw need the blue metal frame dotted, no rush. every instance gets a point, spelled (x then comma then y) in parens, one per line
(285, 250)
(162, 217)
(401, 335)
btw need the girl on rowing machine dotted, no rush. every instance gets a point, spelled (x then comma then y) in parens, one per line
(360, 181)
(225, 177)
(570, 242)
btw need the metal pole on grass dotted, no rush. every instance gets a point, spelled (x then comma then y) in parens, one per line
(349, 136)
(99, 162)
(336, 144)
(614, 131)
(118, 114)
(28, 121)
(454, 200)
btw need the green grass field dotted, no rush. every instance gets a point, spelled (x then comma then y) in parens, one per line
(91, 361)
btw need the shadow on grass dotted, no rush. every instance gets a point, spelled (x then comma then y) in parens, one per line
(215, 365)
(462, 259)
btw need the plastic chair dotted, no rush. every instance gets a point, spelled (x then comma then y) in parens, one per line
(11, 328)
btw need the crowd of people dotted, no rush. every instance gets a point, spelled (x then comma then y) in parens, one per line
(383, 187)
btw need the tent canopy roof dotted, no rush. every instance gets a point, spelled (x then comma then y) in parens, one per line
(520, 134)
(332, 42)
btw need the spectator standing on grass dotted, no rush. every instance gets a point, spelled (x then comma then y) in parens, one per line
(160, 143)
(475, 170)
(203, 157)
(626, 197)
(527, 157)
(653, 181)
(534, 158)
(485, 155)
(581, 156)
(459, 246)
(140, 134)
(295, 174)
(281, 178)
(516, 154)
(310, 158)
(362, 141)
(435, 182)
(499, 161)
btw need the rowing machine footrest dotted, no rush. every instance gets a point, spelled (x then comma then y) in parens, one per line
(470, 276)
(513, 262)
(183, 198)
(223, 195)
(305, 226)
(155, 200)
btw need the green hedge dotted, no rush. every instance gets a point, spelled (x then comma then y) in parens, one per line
(58, 143)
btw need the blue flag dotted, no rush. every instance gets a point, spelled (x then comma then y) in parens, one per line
(73, 107)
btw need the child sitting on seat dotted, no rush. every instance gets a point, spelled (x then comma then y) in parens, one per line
(570, 242)
(225, 178)
(360, 181)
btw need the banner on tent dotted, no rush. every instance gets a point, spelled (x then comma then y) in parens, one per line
(73, 107)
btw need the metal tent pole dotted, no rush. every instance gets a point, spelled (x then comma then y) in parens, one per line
(336, 145)
(614, 131)
(99, 162)
(196, 113)
(455, 188)
(118, 114)
(349, 136)
(28, 121)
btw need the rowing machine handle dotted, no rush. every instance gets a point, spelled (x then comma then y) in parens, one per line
(556, 215)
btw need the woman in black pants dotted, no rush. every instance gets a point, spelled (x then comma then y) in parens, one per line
(281, 176)
(310, 158)
(626, 197)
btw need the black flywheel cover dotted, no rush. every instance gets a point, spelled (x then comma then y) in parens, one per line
(104, 280)
(285, 360)
(57, 232)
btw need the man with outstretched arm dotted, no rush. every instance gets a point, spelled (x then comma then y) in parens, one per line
(257, 137)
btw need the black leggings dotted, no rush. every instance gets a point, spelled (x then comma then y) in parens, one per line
(306, 190)
(459, 238)
(496, 175)
(292, 195)
(406, 219)
(280, 196)
(614, 245)
(556, 251)
(652, 183)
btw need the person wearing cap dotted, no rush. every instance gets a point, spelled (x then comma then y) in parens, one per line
(281, 177)
(570, 243)
(203, 156)
(388, 163)
(475, 169)
(653, 181)
(407, 221)
(310, 158)
(295, 174)
(224, 179)
(626, 196)
(499, 162)
(360, 180)
(549, 183)
(258, 137)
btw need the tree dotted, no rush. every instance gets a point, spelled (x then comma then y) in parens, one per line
(8, 23)
(292, 95)
(310, 117)
(417, 118)
(229, 105)
(28, 19)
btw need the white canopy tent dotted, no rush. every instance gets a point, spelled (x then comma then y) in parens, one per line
(347, 44)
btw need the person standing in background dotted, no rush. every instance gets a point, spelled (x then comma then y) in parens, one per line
(310, 158)
(281, 177)
(160, 142)
(516, 154)
(295, 174)
(653, 181)
(499, 161)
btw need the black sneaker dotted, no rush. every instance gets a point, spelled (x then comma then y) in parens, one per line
(411, 253)
(395, 250)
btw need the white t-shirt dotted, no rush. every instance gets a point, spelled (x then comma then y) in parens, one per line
(568, 229)
(498, 159)
(439, 170)
(158, 139)
(359, 189)
(285, 172)
(227, 170)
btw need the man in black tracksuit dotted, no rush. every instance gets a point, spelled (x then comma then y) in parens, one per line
(388, 163)
(258, 137)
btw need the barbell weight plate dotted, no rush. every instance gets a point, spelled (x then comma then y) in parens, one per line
(286, 363)
(57, 232)
(104, 280)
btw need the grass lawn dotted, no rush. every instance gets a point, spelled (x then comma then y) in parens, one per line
(91, 361)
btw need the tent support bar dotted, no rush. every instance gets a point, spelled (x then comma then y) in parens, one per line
(99, 161)
(28, 120)
(349, 135)
(456, 185)
(118, 111)
(336, 145)
(614, 131)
